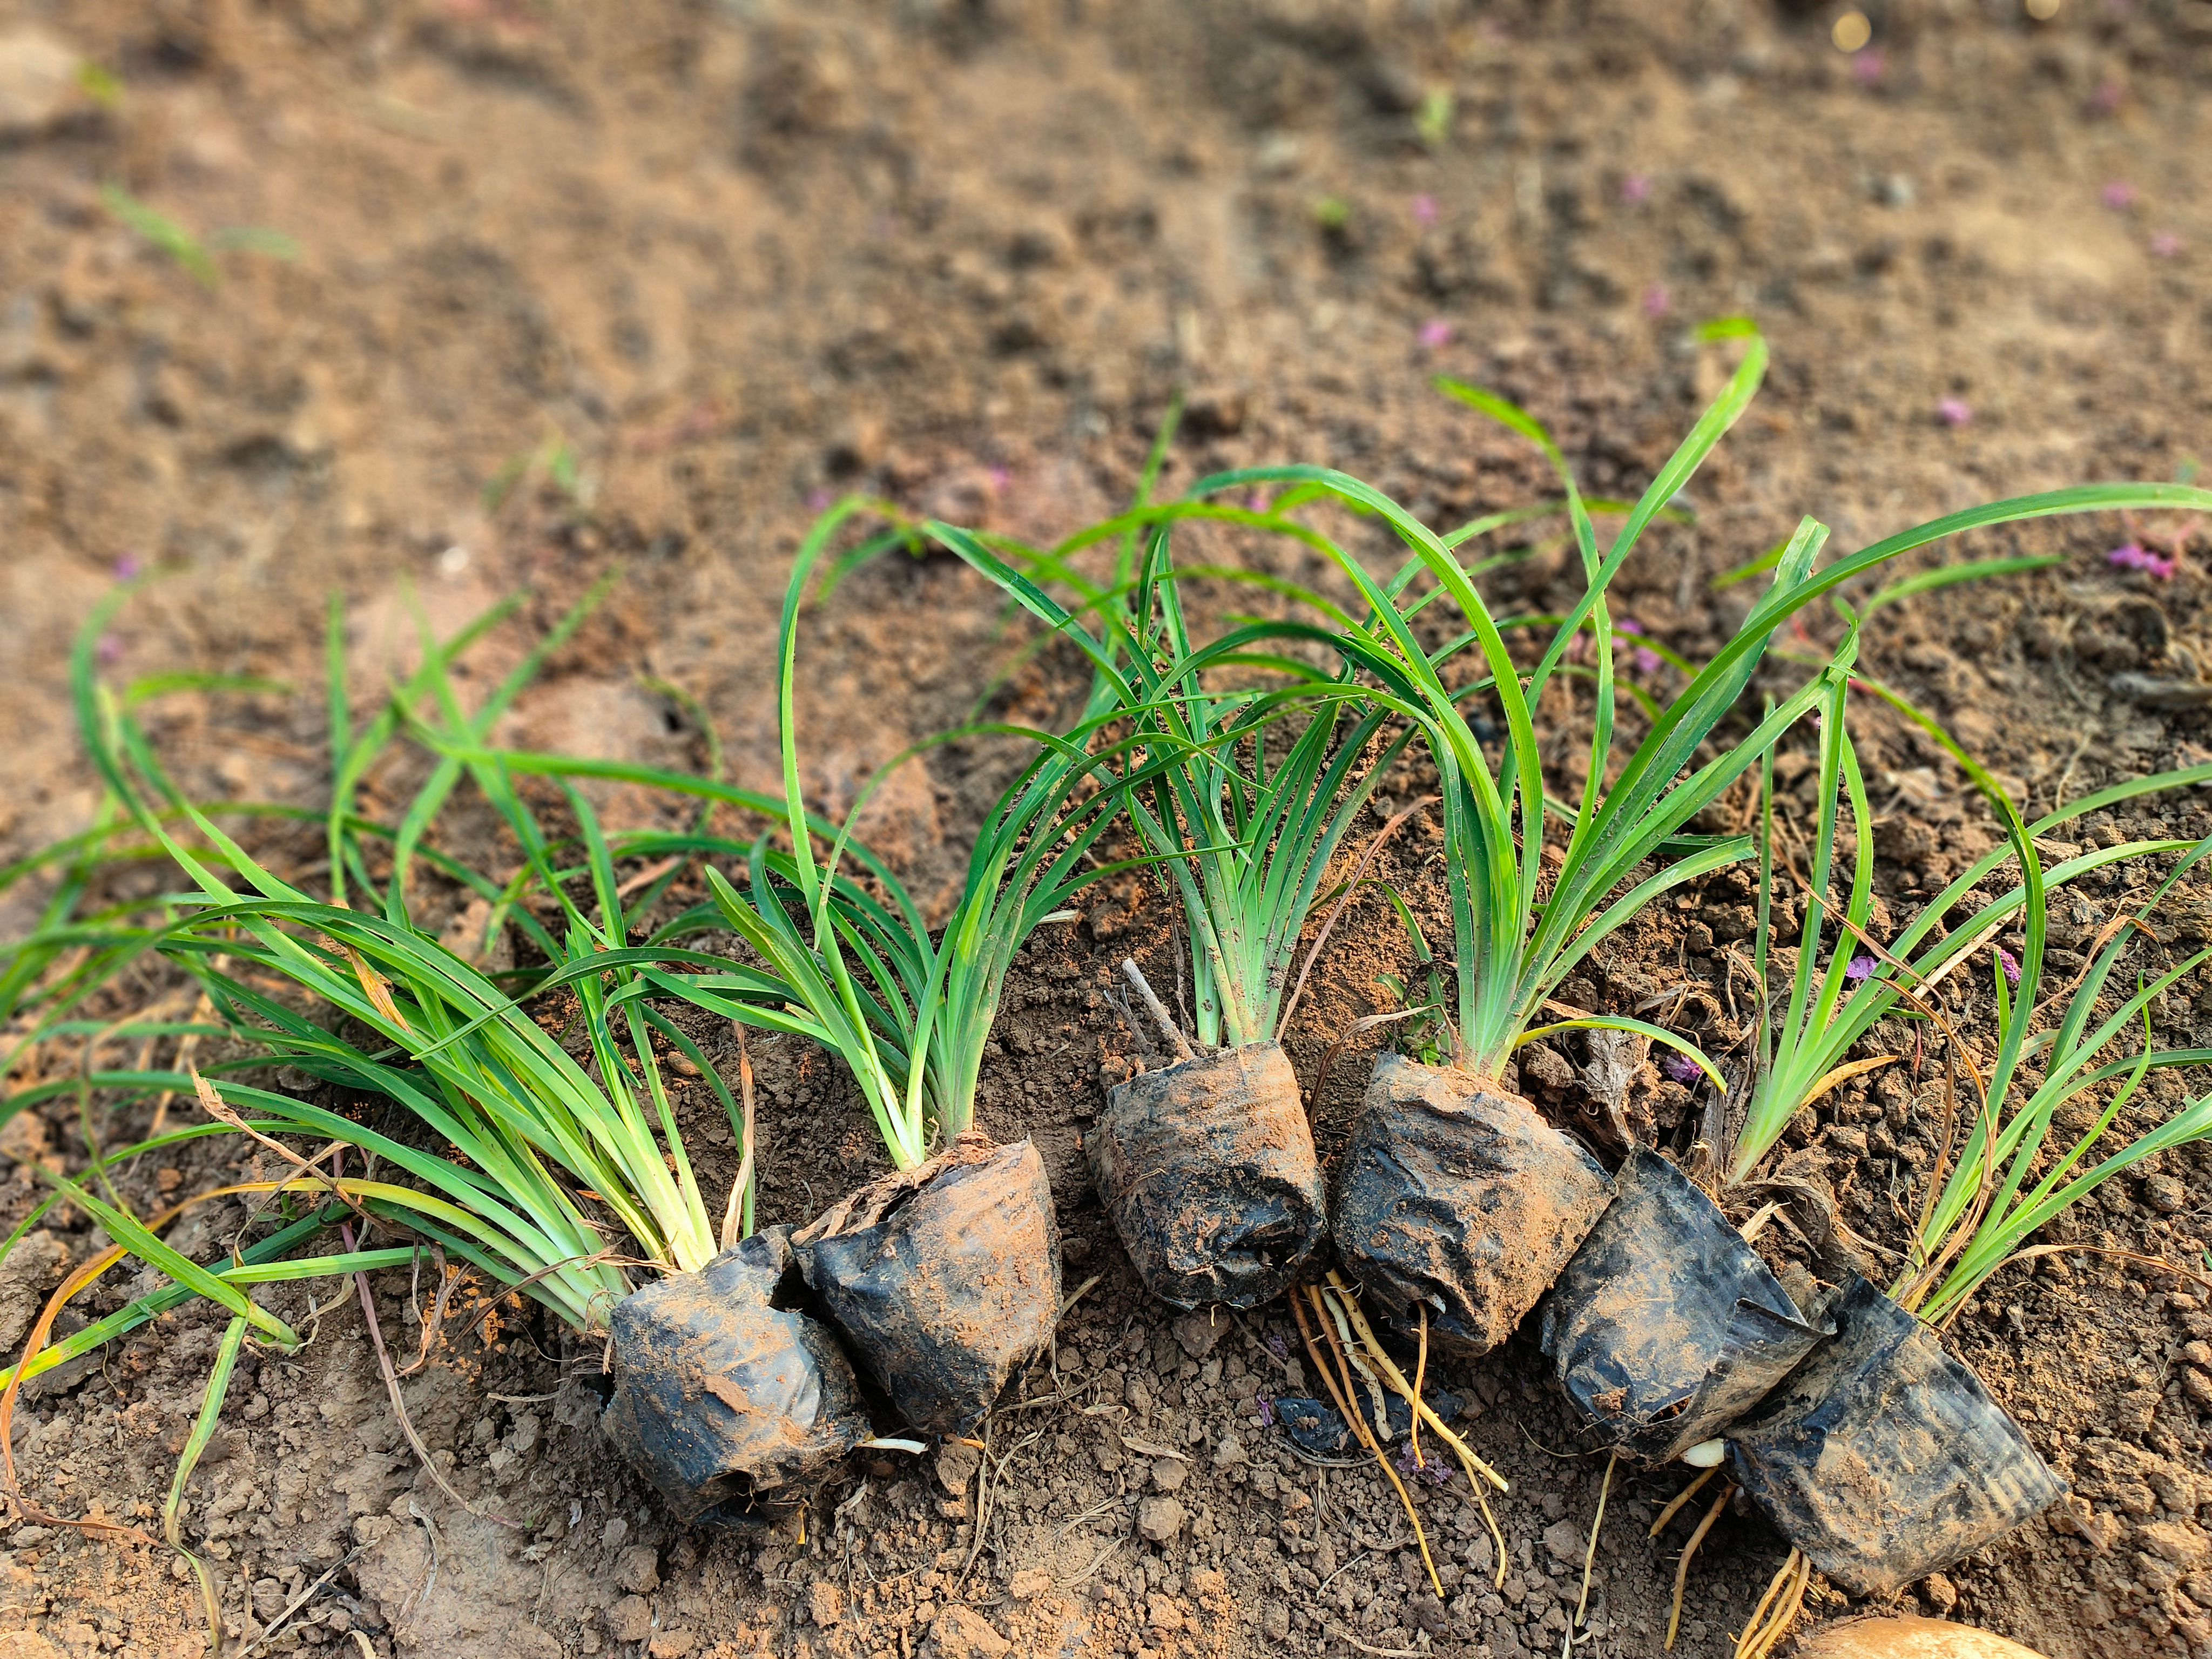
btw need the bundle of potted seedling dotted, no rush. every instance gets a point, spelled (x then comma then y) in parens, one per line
(1879, 1457)
(1234, 769)
(1458, 1206)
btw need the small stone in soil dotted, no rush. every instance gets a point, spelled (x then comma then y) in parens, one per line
(956, 1463)
(1564, 1541)
(962, 1633)
(1159, 1519)
(2163, 1192)
(638, 1569)
(630, 1620)
(1170, 1472)
(825, 1602)
(1199, 1331)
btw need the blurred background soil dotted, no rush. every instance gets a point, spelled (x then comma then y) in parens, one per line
(468, 297)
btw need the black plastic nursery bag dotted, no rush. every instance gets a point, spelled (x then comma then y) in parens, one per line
(1882, 1457)
(1207, 1168)
(1458, 1196)
(719, 1393)
(1665, 1326)
(945, 1279)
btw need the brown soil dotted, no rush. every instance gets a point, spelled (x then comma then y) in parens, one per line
(670, 270)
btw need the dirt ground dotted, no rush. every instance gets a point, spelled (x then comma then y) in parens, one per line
(568, 289)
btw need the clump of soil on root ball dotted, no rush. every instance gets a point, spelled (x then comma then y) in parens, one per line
(1459, 1198)
(944, 1279)
(1207, 1168)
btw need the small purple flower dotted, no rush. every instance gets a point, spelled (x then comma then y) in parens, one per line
(2107, 98)
(2165, 245)
(1681, 1068)
(1000, 478)
(1266, 1410)
(1435, 332)
(1257, 501)
(1867, 67)
(1636, 189)
(1278, 1344)
(2120, 195)
(110, 649)
(1434, 1470)
(1954, 412)
(1425, 209)
(816, 499)
(2133, 556)
(1858, 967)
(128, 567)
(1656, 303)
(2010, 963)
(1645, 660)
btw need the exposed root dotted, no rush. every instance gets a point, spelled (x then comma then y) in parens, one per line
(1420, 1381)
(1165, 1020)
(1682, 1567)
(1477, 1470)
(1382, 1653)
(1349, 1350)
(1680, 1498)
(1360, 1424)
(1480, 1475)
(1778, 1609)
(1496, 1536)
(1589, 1556)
